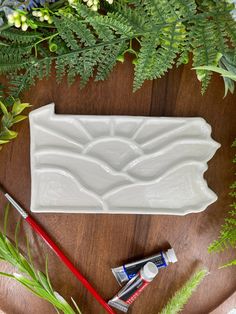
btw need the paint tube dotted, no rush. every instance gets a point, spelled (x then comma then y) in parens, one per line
(128, 271)
(128, 294)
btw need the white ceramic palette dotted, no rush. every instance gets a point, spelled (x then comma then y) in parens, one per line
(119, 164)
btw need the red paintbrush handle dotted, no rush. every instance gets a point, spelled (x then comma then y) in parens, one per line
(68, 263)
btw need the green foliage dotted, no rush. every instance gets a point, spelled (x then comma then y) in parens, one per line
(86, 43)
(34, 280)
(9, 118)
(227, 237)
(176, 303)
(227, 69)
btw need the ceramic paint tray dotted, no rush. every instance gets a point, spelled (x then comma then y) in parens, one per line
(119, 164)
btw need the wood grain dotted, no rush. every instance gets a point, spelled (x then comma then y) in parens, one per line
(98, 242)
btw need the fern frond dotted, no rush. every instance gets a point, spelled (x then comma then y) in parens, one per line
(152, 61)
(21, 82)
(15, 51)
(136, 19)
(227, 237)
(15, 63)
(172, 40)
(20, 37)
(146, 60)
(233, 205)
(94, 19)
(231, 31)
(108, 59)
(167, 30)
(117, 22)
(44, 70)
(84, 65)
(65, 32)
(204, 51)
(82, 32)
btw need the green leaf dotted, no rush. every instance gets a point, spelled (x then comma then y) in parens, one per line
(18, 119)
(26, 266)
(7, 120)
(7, 134)
(18, 107)
(3, 108)
(229, 86)
(16, 234)
(23, 279)
(12, 250)
(37, 284)
(219, 70)
(47, 274)
(76, 306)
(3, 142)
(34, 275)
(43, 280)
(6, 275)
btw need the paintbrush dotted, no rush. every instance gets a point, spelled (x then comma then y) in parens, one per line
(35, 226)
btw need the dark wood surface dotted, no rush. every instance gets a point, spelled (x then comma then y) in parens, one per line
(95, 243)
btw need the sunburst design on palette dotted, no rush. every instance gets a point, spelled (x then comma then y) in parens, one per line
(119, 164)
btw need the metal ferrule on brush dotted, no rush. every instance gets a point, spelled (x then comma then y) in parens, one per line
(16, 205)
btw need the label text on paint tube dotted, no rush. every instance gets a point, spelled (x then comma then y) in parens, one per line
(134, 287)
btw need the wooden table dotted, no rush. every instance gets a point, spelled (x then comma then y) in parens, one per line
(95, 243)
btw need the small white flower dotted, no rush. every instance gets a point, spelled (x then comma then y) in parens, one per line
(23, 18)
(41, 19)
(94, 7)
(24, 27)
(17, 23)
(15, 14)
(90, 3)
(110, 1)
(10, 18)
(46, 17)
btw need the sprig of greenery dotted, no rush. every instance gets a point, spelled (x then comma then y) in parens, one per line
(34, 280)
(88, 44)
(227, 68)
(176, 303)
(227, 236)
(9, 118)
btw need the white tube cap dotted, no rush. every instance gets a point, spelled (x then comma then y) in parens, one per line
(171, 256)
(149, 271)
